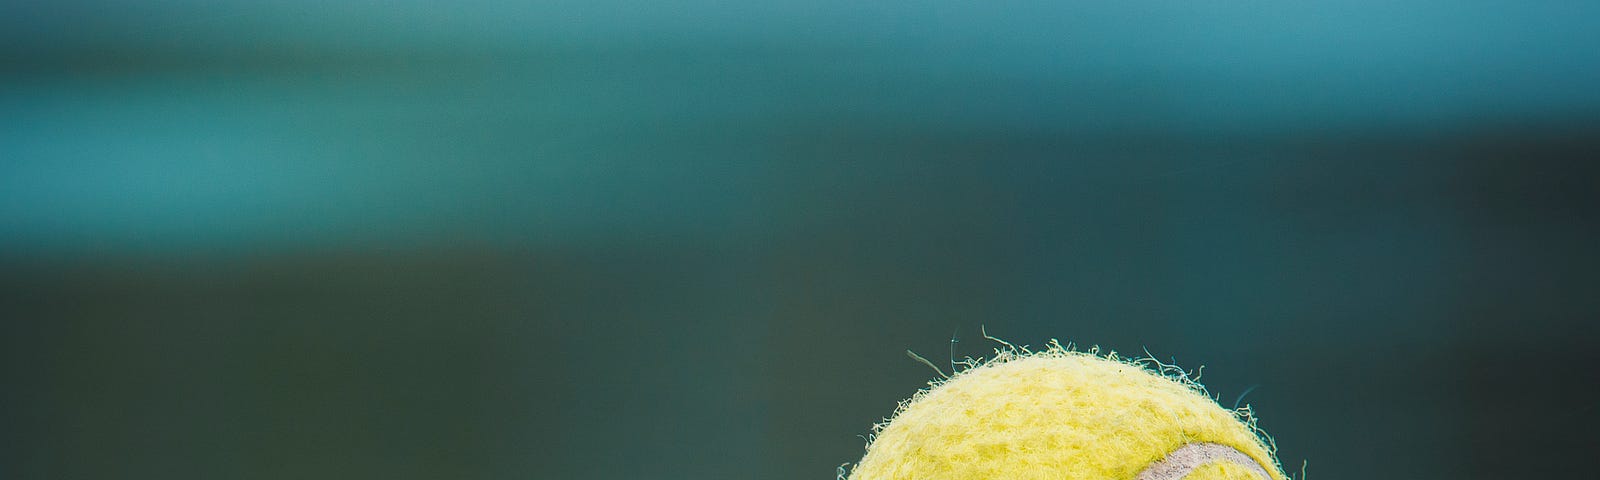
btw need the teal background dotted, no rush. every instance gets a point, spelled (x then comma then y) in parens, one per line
(621, 240)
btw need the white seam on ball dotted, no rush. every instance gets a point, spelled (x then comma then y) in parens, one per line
(1187, 458)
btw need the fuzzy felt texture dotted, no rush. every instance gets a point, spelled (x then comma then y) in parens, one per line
(1058, 414)
(1222, 471)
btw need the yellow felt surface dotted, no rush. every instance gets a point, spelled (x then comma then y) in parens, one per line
(1222, 471)
(1052, 415)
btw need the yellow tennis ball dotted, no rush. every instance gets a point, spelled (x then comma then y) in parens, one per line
(1066, 415)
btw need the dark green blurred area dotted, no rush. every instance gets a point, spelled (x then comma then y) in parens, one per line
(610, 241)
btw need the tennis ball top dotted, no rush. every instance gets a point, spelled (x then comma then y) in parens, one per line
(1065, 415)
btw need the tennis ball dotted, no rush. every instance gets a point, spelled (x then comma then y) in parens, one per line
(1061, 414)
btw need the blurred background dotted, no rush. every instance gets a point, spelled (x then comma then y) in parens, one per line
(692, 240)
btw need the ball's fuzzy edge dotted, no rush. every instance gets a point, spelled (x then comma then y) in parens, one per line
(1008, 353)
